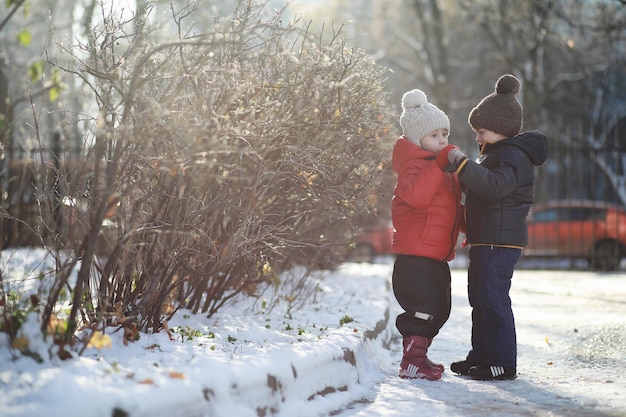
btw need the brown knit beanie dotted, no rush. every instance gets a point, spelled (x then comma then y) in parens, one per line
(500, 111)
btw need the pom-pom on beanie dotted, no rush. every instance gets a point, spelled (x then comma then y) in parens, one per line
(500, 111)
(420, 117)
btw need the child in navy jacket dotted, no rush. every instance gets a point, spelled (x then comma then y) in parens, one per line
(500, 189)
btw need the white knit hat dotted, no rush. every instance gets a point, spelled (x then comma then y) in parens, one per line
(420, 117)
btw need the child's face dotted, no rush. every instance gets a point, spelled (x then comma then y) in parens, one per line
(435, 141)
(487, 136)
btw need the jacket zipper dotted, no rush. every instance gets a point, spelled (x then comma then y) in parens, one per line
(456, 217)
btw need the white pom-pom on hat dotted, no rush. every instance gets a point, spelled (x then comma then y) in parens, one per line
(419, 117)
(413, 98)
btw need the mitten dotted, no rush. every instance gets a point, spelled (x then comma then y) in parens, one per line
(455, 157)
(442, 159)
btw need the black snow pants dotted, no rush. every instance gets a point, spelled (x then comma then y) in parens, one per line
(422, 288)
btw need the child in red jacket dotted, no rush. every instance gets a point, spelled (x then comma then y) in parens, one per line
(426, 215)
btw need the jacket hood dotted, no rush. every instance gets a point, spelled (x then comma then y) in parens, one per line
(404, 150)
(533, 143)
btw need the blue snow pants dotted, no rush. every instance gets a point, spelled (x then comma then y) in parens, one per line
(490, 272)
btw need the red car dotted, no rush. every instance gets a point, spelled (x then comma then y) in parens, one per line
(592, 230)
(373, 242)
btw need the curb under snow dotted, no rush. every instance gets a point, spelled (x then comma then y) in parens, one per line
(288, 380)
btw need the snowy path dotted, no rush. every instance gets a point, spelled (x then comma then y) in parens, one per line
(253, 361)
(572, 355)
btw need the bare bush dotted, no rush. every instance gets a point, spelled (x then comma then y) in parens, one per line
(225, 159)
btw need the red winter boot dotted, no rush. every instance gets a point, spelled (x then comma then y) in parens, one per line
(414, 362)
(431, 363)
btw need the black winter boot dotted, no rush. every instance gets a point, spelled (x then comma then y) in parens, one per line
(492, 373)
(462, 367)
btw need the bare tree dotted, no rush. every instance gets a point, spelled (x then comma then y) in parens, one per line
(564, 53)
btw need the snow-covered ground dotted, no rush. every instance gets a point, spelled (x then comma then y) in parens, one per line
(338, 355)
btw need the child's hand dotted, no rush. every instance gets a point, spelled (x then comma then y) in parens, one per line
(442, 159)
(455, 157)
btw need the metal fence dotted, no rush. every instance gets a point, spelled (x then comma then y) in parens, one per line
(579, 220)
(565, 236)
(26, 176)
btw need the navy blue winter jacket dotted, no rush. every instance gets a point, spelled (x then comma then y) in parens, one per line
(500, 189)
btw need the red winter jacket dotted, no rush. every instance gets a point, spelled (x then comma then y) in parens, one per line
(426, 205)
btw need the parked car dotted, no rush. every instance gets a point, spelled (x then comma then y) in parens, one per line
(592, 230)
(373, 242)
